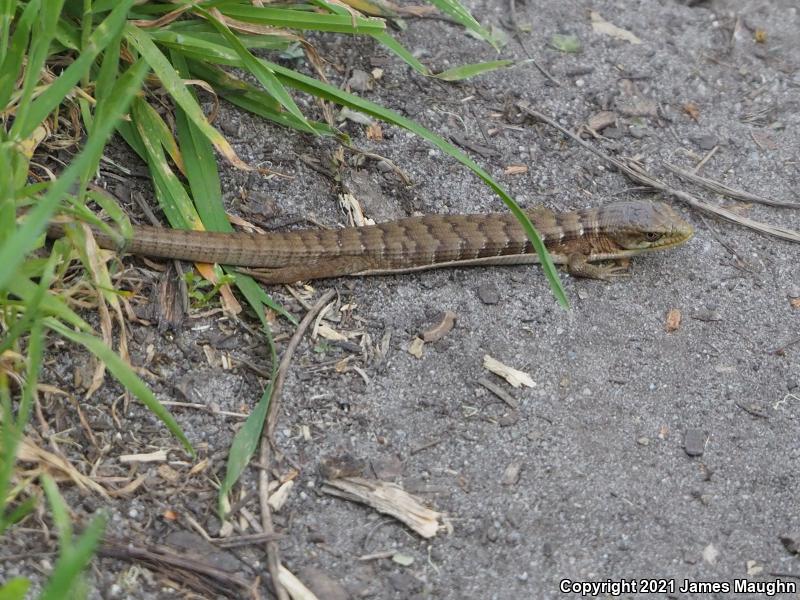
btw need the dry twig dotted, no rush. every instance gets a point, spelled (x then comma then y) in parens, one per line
(273, 556)
(637, 173)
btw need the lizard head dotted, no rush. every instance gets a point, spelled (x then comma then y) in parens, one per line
(640, 226)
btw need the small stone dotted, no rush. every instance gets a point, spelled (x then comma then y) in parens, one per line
(637, 132)
(321, 584)
(360, 81)
(643, 441)
(488, 293)
(230, 128)
(405, 583)
(491, 534)
(511, 473)
(791, 543)
(387, 468)
(509, 419)
(705, 142)
(793, 291)
(707, 315)
(343, 465)
(694, 442)
(710, 554)
(612, 133)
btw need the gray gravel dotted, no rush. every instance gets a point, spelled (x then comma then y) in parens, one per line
(640, 453)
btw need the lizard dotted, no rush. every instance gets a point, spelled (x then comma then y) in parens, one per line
(576, 239)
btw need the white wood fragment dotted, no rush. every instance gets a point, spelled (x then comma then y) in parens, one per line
(513, 376)
(157, 456)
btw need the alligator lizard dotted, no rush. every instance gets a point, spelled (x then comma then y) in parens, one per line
(611, 233)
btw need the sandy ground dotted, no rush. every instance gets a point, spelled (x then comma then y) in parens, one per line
(640, 453)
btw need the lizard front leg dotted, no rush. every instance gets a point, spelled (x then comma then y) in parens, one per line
(578, 265)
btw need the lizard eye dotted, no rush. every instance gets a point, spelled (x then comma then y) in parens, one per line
(652, 236)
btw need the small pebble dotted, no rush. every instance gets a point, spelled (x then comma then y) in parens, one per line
(488, 293)
(705, 142)
(360, 81)
(637, 132)
(694, 441)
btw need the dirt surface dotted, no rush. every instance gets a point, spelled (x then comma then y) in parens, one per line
(639, 453)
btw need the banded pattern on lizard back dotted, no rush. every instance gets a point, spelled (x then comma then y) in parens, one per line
(612, 232)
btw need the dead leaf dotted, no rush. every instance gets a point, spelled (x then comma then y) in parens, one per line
(278, 499)
(691, 109)
(28, 451)
(565, 43)
(443, 326)
(199, 467)
(603, 27)
(795, 302)
(513, 376)
(374, 131)
(129, 489)
(157, 456)
(764, 140)
(167, 473)
(760, 36)
(415, 347)
(329, 333)
(390, 499)
(600, 120)
(673, 322)
(516, 169)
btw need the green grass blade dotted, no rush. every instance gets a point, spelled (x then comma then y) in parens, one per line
(51, 304)
(467, 71)
(250, 98)
(125, 375)
(12, 62)
(32, 307)
(108, 68)
(173, 83)
(7, 11)
(202, 174)
(246, 440)
(170, 192)
(456, 10)
(72, 561)
(11, 429)
(43, 32)
(15, 589)
(60, 513)
(400, 50)
(199, 48)
(153, 131)
(329, 92)
(103, 35)
(24, 238)
(302, 20)
(260, 71)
